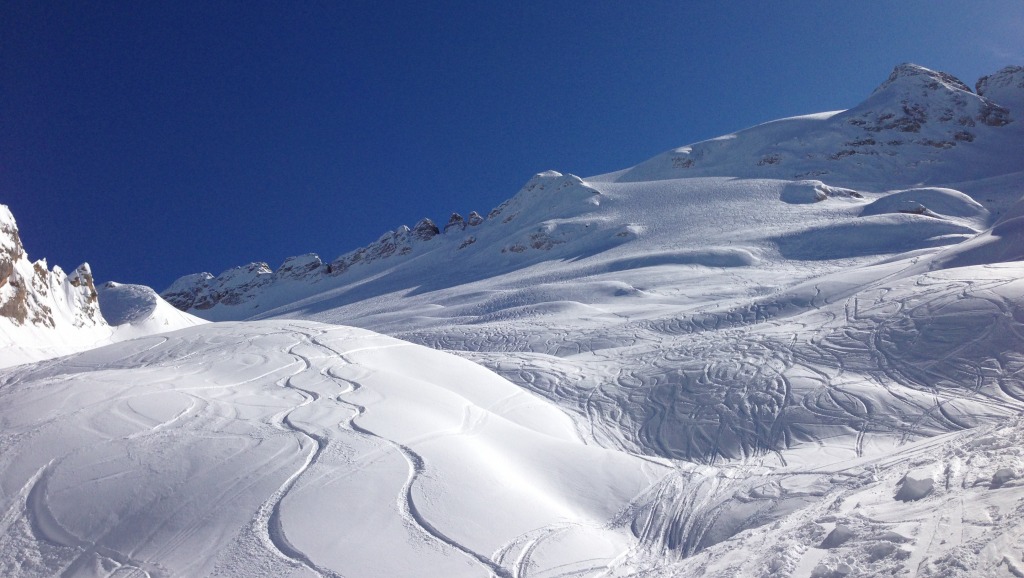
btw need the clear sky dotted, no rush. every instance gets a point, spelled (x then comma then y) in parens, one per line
(155, 139)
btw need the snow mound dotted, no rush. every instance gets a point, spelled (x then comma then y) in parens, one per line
(917, 484)
(122, 304)
(1003, 243)
(931, 202)
(872, 235)
(802, 192)
(136, 311)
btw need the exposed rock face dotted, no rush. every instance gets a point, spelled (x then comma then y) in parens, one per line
(425, 230)
(190, 292)
(921, 76)
(86, 300)
(401, 241)
(203, 291)
(914, 96)
(455, 222)
(33, 295)
(300, 267)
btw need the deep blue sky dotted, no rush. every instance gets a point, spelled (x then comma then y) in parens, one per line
(155, 139)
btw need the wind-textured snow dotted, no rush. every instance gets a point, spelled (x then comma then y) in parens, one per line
(796, 350)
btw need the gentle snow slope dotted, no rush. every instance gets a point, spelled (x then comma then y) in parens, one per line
(297, 449)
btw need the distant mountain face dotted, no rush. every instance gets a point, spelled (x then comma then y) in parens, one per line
(918, 127)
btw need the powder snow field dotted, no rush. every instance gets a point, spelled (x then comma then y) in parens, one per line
(297, 449)
(796, 350)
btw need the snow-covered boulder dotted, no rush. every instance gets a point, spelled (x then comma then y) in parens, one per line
(136, 310)
(917, 484)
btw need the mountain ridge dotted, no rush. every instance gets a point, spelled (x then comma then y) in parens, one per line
(933, 113)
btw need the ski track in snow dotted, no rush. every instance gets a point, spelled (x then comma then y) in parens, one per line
(732, 386)
(406, 503)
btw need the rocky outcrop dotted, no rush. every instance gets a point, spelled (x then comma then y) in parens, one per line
(914, 96)
(33, 295)
(455, 222)
(401, 241)
(299, 268)
(189, 292)
(201, 291)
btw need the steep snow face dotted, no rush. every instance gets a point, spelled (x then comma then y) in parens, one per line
(42, 312)
(1005, 87)
(297, 449)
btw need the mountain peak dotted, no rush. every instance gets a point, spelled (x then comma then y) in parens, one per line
(910, 75)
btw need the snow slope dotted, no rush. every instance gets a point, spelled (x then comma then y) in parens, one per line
(297, 449)
(802, 342)
(790, 313)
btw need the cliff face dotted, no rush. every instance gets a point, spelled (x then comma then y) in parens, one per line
(43, 311)
(33, 295)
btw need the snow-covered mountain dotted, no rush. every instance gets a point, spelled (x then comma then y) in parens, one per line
(43, 312)
(796, 350)
(46, 313)
(918, 128)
